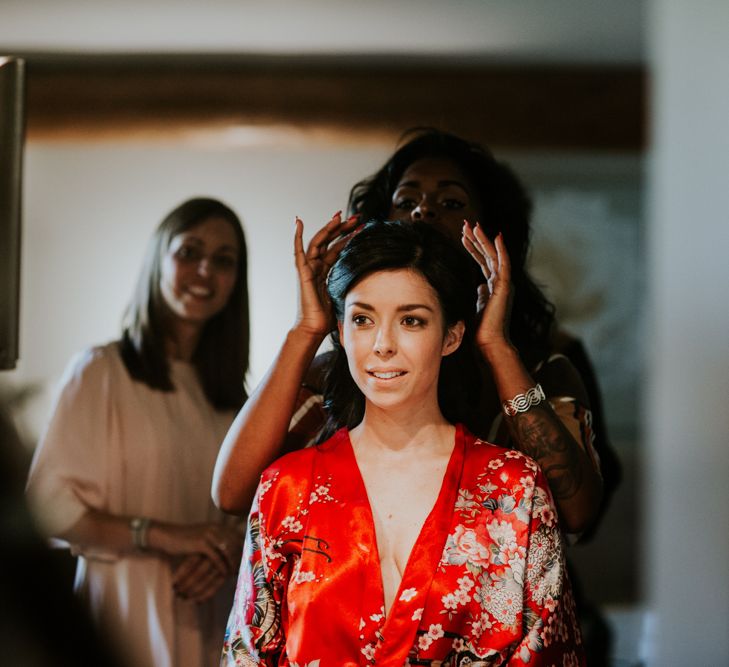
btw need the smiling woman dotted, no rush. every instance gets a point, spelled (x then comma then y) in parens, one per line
(123, 470)
(191, 302)
(198, 274)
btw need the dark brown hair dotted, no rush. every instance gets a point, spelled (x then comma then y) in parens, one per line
(221, 356)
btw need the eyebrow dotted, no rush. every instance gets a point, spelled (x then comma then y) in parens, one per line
(406, 307)
(441, 184)
(198, 241)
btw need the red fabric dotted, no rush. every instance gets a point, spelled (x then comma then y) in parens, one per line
(485, 580)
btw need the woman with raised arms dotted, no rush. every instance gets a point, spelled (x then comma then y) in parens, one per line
(402, 539)
(440, 179)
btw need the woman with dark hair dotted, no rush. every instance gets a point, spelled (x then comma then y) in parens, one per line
(403, 539)
(414, 249)
(123, 470)
(441, 179)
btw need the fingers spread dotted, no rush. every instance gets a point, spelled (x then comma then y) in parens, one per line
(351, 223)
(299, 241)
(336, 247)
(471, 248)
(475, 248)
(321, 240)
(485, 246)
(504, 262)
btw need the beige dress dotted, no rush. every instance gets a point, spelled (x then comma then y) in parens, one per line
(118, 446)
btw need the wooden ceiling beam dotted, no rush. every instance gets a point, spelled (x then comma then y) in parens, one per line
(519, 107)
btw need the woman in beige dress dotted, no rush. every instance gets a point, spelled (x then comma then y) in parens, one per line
(123, 470)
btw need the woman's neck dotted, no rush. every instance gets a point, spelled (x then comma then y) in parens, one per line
(387, 430)
(182, 341)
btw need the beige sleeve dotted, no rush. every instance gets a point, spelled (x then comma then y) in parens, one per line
(69, 471)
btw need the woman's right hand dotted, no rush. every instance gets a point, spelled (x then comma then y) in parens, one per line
(314, 314)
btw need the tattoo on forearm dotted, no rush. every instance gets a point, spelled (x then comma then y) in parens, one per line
(539, 434)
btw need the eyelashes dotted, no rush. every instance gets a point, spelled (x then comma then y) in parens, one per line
(409, 321)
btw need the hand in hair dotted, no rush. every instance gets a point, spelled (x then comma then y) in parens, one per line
(314, 311)
(494, 297)
(539, 432)
(260, 428)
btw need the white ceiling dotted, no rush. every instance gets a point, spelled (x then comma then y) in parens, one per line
(550, 31)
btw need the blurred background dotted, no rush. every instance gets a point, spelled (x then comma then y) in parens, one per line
(614, 115)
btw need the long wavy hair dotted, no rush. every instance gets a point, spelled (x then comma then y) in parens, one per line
(221, 356)
(387, 246)
(504, 206)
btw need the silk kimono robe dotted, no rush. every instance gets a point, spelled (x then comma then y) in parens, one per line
(485, 583)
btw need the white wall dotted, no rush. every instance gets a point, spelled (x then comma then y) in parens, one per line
(686, 564)
(531, 30)
(90, 209)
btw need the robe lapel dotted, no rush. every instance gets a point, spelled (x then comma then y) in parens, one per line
(349, 576)
(401, 625)
(349, 583)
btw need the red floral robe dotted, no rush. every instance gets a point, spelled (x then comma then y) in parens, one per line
(485, 583)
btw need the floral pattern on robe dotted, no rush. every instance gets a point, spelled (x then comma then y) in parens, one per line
(485, 583)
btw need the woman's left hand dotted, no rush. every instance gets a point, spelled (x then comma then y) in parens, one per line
(197, 578)
(494, 297)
